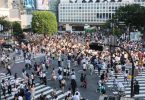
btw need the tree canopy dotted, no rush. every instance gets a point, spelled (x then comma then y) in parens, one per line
(6, 24)
(133, 15)
(17, 28)
(44, 22)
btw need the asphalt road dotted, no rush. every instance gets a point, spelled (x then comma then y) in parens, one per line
(89, 93)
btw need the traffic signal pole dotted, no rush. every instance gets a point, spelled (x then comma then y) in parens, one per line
(95, 46)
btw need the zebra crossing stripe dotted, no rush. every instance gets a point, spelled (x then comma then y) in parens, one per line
(140, 78)
(62, 95)
(57, 92)
(42, 90)
(22, 59)
(44, 93)
(138, 96)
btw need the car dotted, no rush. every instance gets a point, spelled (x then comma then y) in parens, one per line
(6, 45)
(25, 41)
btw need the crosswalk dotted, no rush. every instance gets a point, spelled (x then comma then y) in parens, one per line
(39, 88)
(120, 78)
(20, 59)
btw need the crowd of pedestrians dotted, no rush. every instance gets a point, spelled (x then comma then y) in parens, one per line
(71, 51)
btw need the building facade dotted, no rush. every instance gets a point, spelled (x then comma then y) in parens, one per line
(21, 10)
(76, 12)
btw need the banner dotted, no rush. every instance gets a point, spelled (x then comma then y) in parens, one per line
(42, 4)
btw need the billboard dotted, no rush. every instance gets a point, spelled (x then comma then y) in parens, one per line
(135, 36)
(42, 4)
(29, 4)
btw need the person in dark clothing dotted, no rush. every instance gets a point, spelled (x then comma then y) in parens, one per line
(9, 70)
(73, 86)
(102, 76)
(41, 96)
(82, 79)
(136, 87)
(28, 95)
(35, 66)
(16, 76)
(3, 87)
(9, 86)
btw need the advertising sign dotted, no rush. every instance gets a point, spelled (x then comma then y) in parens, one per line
(42, 4)
(135, 36)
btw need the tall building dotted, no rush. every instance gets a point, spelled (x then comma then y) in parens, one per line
(74, 13)
(21, 10)
(16, 10)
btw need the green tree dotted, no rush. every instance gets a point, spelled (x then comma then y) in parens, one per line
(131, 15)
(44, 22)
(16, 28)
(6, 24)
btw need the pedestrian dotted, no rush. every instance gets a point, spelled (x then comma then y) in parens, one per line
(44, 78)
(59, 70)
(32, 78)
(126, 76)
(85, 81)
(60, 77)
(41, 77)
(24, 73)
(64, 72)
(9, 83)
(32, 92)
(136, 87)
(16, 76)
(82, 79)
(103, 89)
(76, 96)
(35, 66)
(84, 67)
(68, 72)
(91, 68)
(63, 84)
(41, 96)
(3, 87)
(73, 86)
(9, 70)
(28, 95)
(103, 76)
(43, 67)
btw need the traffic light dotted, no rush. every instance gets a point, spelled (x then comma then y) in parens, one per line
(95, 46)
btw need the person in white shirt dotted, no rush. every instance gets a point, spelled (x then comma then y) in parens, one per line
(73, 76)
(32, 77)
(44, 78)
(20, 97)
(115, 82)
(84, 67)
(91, 68)
(76, 96)
(43, 67)
(60, 77)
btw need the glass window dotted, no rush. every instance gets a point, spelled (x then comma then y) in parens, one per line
(97, 15)
(106, 15)
(100, 15)
(103, 15)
